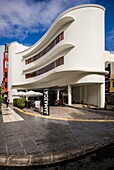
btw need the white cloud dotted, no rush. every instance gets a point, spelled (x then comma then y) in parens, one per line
(1, 62)
(20, 17)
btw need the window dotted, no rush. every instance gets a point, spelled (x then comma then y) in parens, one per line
(6, 64)
(6, 85)
(47, 68)
(47, 49)
(6, 74)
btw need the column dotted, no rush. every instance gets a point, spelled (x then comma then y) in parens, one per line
(80, 94)
(58, 94)
(85, 100)
(26, 96)
(102, 95)
(69, 95)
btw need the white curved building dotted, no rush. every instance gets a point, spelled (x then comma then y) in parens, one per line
(69, 57)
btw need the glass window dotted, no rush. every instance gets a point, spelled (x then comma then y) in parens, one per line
(6, 85)
(47, 49)
(47, 68)
(6, 74)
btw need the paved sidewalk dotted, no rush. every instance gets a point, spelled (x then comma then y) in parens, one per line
(38, 140)
(10, 115)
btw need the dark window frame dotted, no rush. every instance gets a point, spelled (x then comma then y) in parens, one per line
(59, 38)
(54, 64)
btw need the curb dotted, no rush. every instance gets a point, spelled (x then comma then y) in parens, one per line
(50, 158)
(63, 119)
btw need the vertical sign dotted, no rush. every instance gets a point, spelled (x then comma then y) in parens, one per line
(46, 102)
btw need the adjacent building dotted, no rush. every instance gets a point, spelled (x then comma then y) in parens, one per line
(5, 73)
(109, 81)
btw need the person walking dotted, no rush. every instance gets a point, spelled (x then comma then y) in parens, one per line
(60, 102)
(7, 102)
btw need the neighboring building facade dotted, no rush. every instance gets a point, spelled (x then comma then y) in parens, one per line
(5, 73)
(107, 83)
(68, 59)
(109, 78)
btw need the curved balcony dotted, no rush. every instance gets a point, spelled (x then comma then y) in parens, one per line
(38, 46)
(48, 57)
(58, 76)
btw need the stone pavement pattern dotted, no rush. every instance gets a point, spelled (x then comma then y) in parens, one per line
(10, 115)
(41, 136)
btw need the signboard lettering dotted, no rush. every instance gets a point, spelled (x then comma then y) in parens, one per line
(46, 103)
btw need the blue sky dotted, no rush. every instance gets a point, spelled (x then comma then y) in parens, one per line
(26, 21)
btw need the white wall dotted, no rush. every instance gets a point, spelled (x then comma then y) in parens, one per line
(89, 94)
(87, 33)
(76, 94)
(14, 67)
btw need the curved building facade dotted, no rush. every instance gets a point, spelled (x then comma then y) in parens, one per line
(68, 59)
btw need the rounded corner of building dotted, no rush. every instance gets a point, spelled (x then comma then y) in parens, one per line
(91, 5)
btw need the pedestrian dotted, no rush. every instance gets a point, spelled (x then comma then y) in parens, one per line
(7, 102)
(60, 102)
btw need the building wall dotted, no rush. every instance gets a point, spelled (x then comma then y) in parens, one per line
(15, 67)
(82, 49)
(93, 95)
(112, 79)
(88, 94)
(5, 72)
(87, 35)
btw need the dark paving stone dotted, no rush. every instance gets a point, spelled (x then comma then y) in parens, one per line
(37, 135)
(3, 149)
(18, 151)
(23, 135)
(1, 119)
(11, 137)
(2, 139)
(13, 142)
(32, 150)
(29, 146)
(14, 146)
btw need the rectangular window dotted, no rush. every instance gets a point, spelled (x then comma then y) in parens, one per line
(61, 36)
(48, 48)
(6, 74)
(6, 64)
(6, 85)
(49, 67)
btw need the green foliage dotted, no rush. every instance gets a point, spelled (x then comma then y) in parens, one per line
(24, 100)
(19, 102)
(15, 102)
